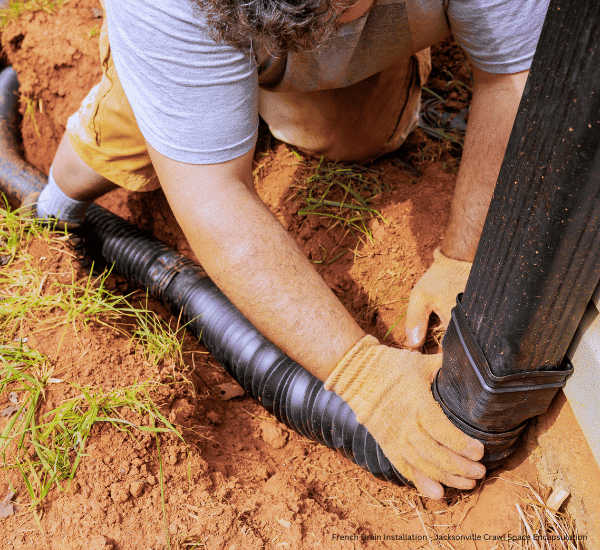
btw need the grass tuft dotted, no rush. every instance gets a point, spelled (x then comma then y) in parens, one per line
(345, 194)
(46, 446)
(31, 106)
(16, 8)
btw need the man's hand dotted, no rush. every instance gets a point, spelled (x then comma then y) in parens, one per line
(389, 390)
(435, 292)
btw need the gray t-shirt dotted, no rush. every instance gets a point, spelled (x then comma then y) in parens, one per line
(196, 101)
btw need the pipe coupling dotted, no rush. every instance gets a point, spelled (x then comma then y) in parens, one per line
(493, 409)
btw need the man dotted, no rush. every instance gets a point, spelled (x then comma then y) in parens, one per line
(178, 107)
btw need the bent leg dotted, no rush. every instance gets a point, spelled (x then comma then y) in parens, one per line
(102, 149)
(75, 178)
(358, 123)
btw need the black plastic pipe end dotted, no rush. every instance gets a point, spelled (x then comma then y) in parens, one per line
(493, 409)
(17, 177)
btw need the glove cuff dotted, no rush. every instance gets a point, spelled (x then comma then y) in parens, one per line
(457, 267)
(349, 367)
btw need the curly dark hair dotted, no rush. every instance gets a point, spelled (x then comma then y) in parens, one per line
(277, 25)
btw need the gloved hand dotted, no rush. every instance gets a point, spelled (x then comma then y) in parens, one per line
(389, 390)
(436, 291)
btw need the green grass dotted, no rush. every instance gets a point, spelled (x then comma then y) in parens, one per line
(29, 295)
(157, 341)
(345, 194)
(46, 446)
(31, 106)
(16, 8)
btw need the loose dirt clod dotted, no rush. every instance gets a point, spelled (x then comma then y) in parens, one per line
(273, 435)
(136, 489)
(230, 390)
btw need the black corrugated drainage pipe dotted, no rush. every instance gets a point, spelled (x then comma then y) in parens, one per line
(281, 385)
(17, 177)
(538, 260)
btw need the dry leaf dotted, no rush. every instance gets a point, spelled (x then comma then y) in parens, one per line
(229, 390)
(13, 397)
(8, 411)
(6, 506)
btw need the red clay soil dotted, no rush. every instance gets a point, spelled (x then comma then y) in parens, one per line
(242, 480)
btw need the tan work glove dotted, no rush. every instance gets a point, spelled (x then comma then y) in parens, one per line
(436, 291)
(389, 390)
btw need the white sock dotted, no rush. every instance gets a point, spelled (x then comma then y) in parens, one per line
(52, 202)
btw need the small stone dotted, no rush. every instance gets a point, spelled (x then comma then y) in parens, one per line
(136, 489)
(173, 528)
(556, 499)
(151, 480)
(137, 462)
(284, 522)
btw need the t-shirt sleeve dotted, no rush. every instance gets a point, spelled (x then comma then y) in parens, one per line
(499, 36)
(195, 101)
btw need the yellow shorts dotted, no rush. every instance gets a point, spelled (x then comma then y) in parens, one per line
(105, 134)
(358, 123)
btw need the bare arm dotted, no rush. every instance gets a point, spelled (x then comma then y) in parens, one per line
(255, 262)
(495, 102)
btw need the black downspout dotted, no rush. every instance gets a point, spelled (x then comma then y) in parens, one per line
(538, 260)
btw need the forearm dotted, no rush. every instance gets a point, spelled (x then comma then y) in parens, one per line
(495, 102)
(255, 262)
